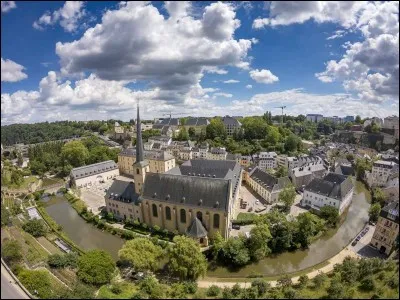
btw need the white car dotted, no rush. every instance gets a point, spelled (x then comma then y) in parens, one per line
(257, 202)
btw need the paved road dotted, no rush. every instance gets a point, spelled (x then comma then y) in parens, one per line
(10, 290)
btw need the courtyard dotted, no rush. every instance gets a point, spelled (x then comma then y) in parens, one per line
(94, 195)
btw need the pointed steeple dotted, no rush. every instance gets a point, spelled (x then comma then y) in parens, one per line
(139, 141)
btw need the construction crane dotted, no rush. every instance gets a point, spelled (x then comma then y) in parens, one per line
(282, 107)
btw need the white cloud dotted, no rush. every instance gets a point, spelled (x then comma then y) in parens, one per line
(226, 95)
(231, 81)
(68, 16)
(136, 42)
(215, 70)
(249, 86)
(6, 6)
(337, 34)
(263, 76)
(11, 71)
(260, 23)
(46, 64)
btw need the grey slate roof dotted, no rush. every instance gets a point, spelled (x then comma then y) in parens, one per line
(344, 169)
(333, 185)
(161, 138)
(219, 168)
(392, 209)
(227, 120)
(217, 150)
(232, 156)
(270, 182)
(156, 146)
(93, 169)
(123, 191)
(196, 229)
(197, 122)
(168, 121)
(195, 191)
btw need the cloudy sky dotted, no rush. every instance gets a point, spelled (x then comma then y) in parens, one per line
(80, 60)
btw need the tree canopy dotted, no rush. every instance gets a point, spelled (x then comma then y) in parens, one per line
(95, 267)
(141, 253)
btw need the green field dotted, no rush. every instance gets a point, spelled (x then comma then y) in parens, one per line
(50, 181)
(126, 291)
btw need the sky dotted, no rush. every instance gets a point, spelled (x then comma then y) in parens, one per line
(80, 60)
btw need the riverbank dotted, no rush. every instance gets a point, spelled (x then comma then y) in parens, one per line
(337, 259)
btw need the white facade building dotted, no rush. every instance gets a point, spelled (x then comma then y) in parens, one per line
(333, 190)
(381, 170)
(314, 118)
(89, 175)
(267, 160)
(217, 154)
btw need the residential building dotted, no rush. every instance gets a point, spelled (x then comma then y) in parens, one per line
(217, 153)
(199, 124)
(348, 119)
(381, 170)
(162, 140)
(391, 188)
(198, 198)
(119, 132)
(159, 161)
(302, 176)
(265, 185)
(234, 156)
(231, 124)
(246, 160)
(267, 160)
(334, 119)
(90, 175)
(333, 190)
(185, 154)
(299, 161)
(148, 145)
(392, 123)
(203, 150)
(314, 118)
(386, 232)
(281, 160)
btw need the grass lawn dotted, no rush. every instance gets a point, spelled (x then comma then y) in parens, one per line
(49, 246)
(246, 216)
(127, 290)
(25, 183)
(50, 181)
(67, 276)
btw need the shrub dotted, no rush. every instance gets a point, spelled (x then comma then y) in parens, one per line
(95, 267)
(190, 287)
(227, 293)
(249, 293)
(213, 291)
(285, 281)
(236, 290)
(319, 280)
(393, 281)
(116, 289)
(261, 285)
(303, 280)
(289, 293)
(11, 251)
(34, 227)
(151, 287)
(367, 284)
(156, 228)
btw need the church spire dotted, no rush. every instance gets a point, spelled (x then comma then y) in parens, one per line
(139, 141)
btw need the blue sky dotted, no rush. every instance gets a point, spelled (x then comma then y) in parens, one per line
(282, 61)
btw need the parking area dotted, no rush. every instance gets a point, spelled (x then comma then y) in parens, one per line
(362, 247)
(254, 202)
(296, 209)
(94, 195)
(243, 229)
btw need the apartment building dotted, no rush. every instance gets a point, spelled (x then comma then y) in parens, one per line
(217, 153)
(231, 124)
(314, 118)
(334, 190)
(387, 228)
(302, 176)
(199, 125)
(267, 160)
(392, 123)
(89, 175)
(163, 140)
(159, 161)
(381, 170)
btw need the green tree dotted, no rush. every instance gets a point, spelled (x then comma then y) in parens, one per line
(5, 215)
(152, 287)
(183, 134)
(330, 214)
(35, 227)
(63, 260)
(95, 267)
(11, 251)
(292, 143)
(287, 196)
(289, 293)
(303, 280)
(215, 129)
(74, 153)
(218, 242)
(213, 291)
(258, 242)
(37, 280)
(374, 211)
(319, 280)
(192, 132)
(308, 225)
(368, 284)
(261, 285)
(236, 252)
(285, 281)
(186, 259)
(282, 171)
(358, 119)
(141, 253)
(335, 290)
(378, 196)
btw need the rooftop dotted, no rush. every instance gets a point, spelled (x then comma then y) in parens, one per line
(148, 154)
(93, 169)
(123, 191)
(333, 185)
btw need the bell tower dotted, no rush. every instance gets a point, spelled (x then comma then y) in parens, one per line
(141, 166)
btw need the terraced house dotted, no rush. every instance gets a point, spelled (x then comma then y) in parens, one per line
(197, 198)
(387, 229)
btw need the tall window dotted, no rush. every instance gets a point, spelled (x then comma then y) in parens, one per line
(155, 214)
(137, 171)
(199, 216)
(183, 216)
(216, 221)
(168, 213)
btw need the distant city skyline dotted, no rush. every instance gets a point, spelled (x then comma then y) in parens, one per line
(82, 60)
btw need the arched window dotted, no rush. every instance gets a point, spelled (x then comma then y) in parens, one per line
(168, 213)
(155, 214)
(216, 220)
(183, 216)
(137, 171)
(199, 216)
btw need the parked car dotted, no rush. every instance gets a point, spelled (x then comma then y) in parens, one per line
(354, 243)
(235, 226)
(366, 229)
(362, 233)
(257, 202)
(358, 238)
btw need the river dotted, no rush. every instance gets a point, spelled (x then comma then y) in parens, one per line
(88, 237)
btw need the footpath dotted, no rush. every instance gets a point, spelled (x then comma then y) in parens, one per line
(337, 259)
